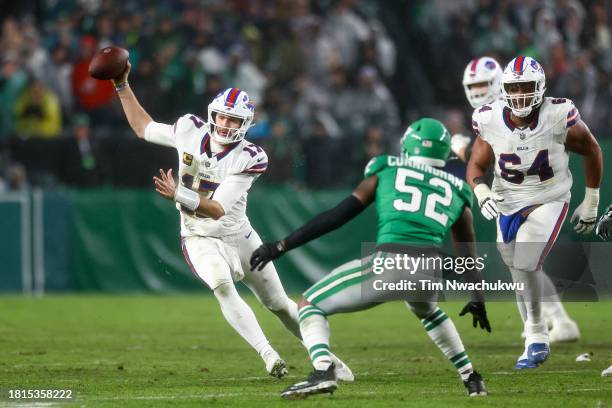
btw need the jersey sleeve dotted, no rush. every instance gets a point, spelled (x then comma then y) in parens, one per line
(568, 116)
(480, 117)
(375, 165)
(160, 133)
(231, 189)
(255, 162)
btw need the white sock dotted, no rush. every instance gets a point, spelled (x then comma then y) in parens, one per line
(289, 317)
(315, 335)
(240, 316)
(536, 330)
(442, 331)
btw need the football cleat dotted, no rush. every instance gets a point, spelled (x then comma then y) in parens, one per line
(475, 385)
(564, 332)
(524, 363)
(318, 382)
(275, 365)
(342, 371)
(537, 353)
(607, 372)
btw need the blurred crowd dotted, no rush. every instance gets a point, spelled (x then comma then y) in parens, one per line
(334, 81)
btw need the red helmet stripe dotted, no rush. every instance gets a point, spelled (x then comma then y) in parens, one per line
(518, 63)
(231, 98)
(473, 65)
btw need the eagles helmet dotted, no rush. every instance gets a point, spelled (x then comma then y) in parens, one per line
(478, 71)
(523, 70)
(231, 102)
(428, 141)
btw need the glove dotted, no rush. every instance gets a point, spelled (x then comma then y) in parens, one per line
(266, 253)
(487, 201)
(458, 145)
(604, 223)
(479, 315)
(585, 215)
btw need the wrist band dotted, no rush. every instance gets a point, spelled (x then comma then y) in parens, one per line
(122, 85)
(187, 197)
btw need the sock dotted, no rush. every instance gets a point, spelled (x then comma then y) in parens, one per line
(240, 316)
(442, 331)
(315, 335)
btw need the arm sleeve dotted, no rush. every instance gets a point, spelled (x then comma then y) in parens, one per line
(325, 222)
(231, 189)
(160, 133)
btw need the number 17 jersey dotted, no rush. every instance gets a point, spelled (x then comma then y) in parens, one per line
(415, 203)
(531, 164)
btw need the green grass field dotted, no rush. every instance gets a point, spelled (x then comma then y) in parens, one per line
(153, 351)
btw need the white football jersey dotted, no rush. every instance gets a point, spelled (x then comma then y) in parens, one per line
(531, 164)
(202, 171)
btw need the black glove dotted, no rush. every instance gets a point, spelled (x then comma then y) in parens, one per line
(605, 222)
(479, 314)
(266, 252)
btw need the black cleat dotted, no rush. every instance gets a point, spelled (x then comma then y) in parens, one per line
(318, 382)
(475, 385)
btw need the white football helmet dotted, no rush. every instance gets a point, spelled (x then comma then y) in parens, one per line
(479, 70)
(523, 70)
(231, 102)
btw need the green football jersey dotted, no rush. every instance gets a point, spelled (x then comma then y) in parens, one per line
(415, 203)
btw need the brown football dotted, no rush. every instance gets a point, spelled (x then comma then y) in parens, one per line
(108, 63)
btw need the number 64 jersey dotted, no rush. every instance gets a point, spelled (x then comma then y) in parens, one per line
(224, 176)
(531, 164)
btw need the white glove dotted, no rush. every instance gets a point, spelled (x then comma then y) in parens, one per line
(487, 201)
(459, 143)
(586, 213)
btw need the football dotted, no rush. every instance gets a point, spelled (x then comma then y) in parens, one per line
(108, 63)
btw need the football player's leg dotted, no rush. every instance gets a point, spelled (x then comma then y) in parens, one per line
(211, 267)
(266, 285)
(442, 331)
(534, 240)
(339, 291)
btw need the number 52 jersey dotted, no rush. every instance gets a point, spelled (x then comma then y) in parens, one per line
(531, 164)
(415, 203)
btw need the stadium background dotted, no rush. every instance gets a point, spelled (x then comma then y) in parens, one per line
(335, 83)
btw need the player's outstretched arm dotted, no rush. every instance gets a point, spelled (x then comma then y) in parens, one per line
(321, 224)
(137, 117)
(580, 140)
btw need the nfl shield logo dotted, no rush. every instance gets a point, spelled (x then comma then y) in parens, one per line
(522, 136)
(427, 143)
(207, 164)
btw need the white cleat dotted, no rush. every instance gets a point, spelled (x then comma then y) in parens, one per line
(564, 332)
(607, 372)
(342, 371)
(275, 365)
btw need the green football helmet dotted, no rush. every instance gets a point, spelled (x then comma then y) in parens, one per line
(429, 140)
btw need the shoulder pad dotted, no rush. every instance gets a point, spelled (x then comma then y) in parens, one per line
(375, 165)
(188, 122)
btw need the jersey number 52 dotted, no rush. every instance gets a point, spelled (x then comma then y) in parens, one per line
(416, 195)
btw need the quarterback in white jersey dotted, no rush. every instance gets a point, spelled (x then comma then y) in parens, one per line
(217, 167)
(481, 83)
(528, 138)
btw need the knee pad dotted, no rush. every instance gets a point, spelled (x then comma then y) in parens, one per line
(224, 290)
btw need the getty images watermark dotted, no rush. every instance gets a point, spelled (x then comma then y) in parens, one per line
(404, 272)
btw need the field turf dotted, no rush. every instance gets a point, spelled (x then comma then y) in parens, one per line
(152, 351)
